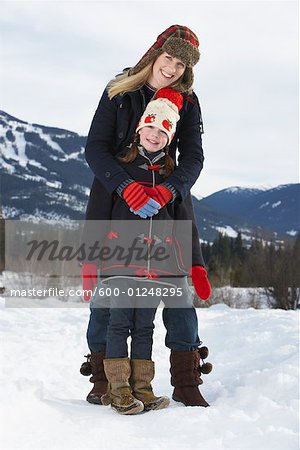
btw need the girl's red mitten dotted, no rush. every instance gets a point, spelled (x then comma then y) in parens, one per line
(160, 193)
(135, 196)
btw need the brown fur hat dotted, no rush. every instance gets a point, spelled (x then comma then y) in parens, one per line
(179, 42)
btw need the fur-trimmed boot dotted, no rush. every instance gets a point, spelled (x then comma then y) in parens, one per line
(94, 366)
(185, 377)
(118, 372)
(142, 373)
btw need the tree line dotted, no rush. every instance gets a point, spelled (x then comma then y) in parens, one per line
(276, 267)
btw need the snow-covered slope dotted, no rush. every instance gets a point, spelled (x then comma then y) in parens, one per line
(253, 389)
(44, 173)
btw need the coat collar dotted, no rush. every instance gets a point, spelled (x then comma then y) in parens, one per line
(155, 159)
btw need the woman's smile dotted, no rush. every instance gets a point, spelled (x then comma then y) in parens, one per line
(166, 70)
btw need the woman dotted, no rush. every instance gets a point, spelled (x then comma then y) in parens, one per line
(169, 62)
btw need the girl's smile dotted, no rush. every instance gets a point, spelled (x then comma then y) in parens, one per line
(152, 138)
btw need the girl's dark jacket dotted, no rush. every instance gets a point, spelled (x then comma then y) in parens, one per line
(112, 128)
(172, 230)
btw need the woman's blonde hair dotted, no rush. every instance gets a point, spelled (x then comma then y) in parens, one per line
(133, 152)
(129, 83)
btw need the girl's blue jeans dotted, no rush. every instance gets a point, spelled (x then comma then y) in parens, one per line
(113, 318)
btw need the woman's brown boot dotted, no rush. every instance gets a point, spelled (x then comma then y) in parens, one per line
(142, 373)
(185, 377)
(95, 360)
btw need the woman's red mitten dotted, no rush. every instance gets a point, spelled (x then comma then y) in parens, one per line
(89, 280)
(201, 282)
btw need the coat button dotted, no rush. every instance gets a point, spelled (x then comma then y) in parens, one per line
(183, 178)
(107, 174)
(121, 105)
(121, 134)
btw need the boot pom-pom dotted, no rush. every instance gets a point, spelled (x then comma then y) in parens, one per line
(203, 352)
(206, 368)
(86, 369)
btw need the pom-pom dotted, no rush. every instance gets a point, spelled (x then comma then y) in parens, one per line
(203, 352)
(86, 369)
(206, 368)
(171, 95)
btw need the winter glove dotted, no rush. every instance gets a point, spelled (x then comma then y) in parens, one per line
(147, 210)
(140, 203)
(160, 193)
(200, 282)
(89, 280)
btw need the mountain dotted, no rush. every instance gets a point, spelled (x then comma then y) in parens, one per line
(45, 177)
(44, 173)
(271, 213)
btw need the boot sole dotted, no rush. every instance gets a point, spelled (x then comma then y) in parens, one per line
(94, 401)
(135, 409)
(163, 403)
(176, 399)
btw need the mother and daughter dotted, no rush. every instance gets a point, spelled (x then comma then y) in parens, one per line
(144, 116)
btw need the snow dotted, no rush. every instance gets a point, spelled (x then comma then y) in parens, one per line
(82, 189)
(8, 167)
(228, 230)
(233, 190)
(292, 232)
(54, 184)
(50, 142)
(237, 297)
(251, 188)
(264, 205)
(14, 150)
(274, 205)
(253, 389)
(37, 164)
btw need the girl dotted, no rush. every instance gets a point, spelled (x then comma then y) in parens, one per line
(148, 162)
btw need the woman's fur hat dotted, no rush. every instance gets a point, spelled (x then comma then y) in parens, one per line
(179, 42)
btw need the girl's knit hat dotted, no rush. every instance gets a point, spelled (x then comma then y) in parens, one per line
(162, 112)
(179, 42)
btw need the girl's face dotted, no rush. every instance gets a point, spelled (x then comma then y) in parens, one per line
(153, 138)
(165, 71)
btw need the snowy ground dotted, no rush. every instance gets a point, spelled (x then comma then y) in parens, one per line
(253, 389)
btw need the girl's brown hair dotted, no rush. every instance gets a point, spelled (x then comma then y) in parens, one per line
(133, 152)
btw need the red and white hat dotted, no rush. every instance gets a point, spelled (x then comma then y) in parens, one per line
(162, 112)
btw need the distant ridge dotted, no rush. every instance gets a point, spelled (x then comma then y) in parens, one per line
(45, 177)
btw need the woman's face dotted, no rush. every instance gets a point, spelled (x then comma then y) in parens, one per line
(165, 71)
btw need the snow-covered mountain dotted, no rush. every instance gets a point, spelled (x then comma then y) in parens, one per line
(268, 212)
(44, 173)
(45, 176)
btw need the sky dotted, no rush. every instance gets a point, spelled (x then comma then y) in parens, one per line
(57, 56)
